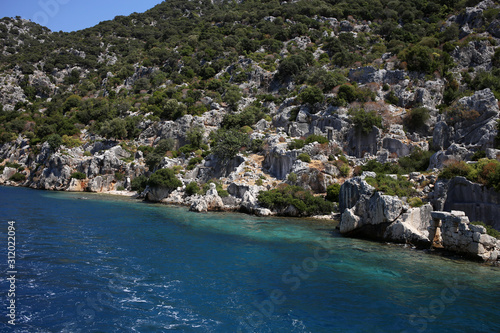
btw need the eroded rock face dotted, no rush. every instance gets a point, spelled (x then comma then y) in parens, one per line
(209, 202)
(458, 235)
(479, 202)
(279, 161)
(476, 125)
(372, 215)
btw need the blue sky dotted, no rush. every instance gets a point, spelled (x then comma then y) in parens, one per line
(71, 15)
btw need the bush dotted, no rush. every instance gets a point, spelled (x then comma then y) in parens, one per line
(489, 229)
(333, 193)
(296, 144)
(54, 141)
(17, 177)
(304, 157)
(400, 187)
(164, 178)
(415, 202)
(311, 95)
(416, 118)
(418, 160)
(193, 162)
(139, 183)
(292, 177)
(152, 160)
(119, 176)
(455, 169)
(285, 195)
(70, 141)
(162, 147)
(228, 143)
(316, 138)
(364, 120)
(120, 188)
(78, 175)
(192, 189)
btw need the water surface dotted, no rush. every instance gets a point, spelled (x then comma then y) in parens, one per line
(97, 263)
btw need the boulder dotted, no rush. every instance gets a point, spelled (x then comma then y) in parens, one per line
(209, 202)
(458, 235)
(387, 218)
(353, 190)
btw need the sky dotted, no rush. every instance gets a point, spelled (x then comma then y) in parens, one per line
(72, 15)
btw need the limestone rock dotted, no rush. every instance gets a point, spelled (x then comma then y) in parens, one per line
(209, 202)
(458, 235)
(353, 190)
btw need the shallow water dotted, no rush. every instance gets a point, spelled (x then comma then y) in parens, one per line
(111, 264)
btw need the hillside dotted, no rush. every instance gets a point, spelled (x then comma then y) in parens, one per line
(274, 102)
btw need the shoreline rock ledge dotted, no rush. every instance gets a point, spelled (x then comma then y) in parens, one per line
(368, 214)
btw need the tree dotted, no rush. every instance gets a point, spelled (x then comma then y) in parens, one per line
(232, 96)
(364, 120)
(164, 178)
(228, 143)
(311, 95)
(195, 136)
(115, 128)
(54, 141)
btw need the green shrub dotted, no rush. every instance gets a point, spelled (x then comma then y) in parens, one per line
(152, 160)
(333, 192)
(416, 118)
(17, 177)
(478, 155)
(316, 138)
(304, 157)
(87, 153)
(164, 178)
(418, 160)
(296, 144)
(365, 120)
(286, 195)
(70, 141)
(78, 175)
(400, 187)
(343, 168)
(228, 143)
(415, 202)
(145, 150)
(12, 165)
(292, 177)
(489, 229)
(193, 162)
(192, 188)
(119, 176)
(54, 141)
(311, 95)
(455, 169)
(120, 188)
(259, 182)
(139, 183)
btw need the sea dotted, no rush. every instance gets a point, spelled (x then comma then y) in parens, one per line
(83, 262)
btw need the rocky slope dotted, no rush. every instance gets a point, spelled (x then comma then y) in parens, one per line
(280, 97)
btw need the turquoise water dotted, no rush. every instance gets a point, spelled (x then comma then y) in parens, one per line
(108, 264)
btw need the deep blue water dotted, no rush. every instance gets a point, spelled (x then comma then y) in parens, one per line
(108, 264)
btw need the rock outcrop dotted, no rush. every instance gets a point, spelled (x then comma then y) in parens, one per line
(209, 202)
(372, 215)
(458, 235)
(479, 202)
